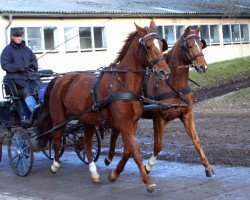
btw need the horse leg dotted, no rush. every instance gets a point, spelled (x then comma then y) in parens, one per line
(159, 125)
(87, 145)
(114, 174)
(188, 121)
(57, 137)
(114, 136)
(131, 146)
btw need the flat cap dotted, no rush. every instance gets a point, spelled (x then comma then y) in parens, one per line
(17, 31)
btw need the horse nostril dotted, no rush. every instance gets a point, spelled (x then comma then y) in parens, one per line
(163, 75)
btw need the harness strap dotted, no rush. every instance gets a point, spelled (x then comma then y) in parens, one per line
(114, 97)
(158, 59)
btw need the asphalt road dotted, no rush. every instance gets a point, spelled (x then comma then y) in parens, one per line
(174, 181)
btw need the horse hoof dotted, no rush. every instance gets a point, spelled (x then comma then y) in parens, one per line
(210, 173)
(112, 177)
(51, 170)
(107, 161)
(96, 180)
(146, 169)
(151, 188)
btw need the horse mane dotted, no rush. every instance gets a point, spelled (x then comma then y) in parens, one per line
(125, 47)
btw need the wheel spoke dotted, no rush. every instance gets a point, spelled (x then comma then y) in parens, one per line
(15, 141)
(14, 157)
(18, 161)
(27, 147)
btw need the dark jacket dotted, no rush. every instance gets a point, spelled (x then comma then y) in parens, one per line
(18, 60)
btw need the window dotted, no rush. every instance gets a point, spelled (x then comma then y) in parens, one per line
(179, 31)
(204, 32)
(34, 38)
(85, 38)
(194, 27)
(100, 37)
(50, 38)
(214, 34)
(226, 34)
(160, 31)
(244, 33)
(71, 38)
(169, 34)
(235, 33)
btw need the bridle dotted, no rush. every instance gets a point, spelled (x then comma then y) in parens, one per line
(143, 45)
(186, 47)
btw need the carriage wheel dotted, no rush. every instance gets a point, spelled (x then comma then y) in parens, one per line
(96, 146)
(48, 151)
(20, 152)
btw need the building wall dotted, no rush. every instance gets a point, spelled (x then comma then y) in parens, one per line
(116, 32)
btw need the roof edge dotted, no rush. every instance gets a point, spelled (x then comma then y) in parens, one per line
(117, 15)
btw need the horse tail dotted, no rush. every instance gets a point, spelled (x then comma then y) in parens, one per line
(44, 122)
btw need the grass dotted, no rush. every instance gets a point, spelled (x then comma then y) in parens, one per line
(236, 102)
(221, 72)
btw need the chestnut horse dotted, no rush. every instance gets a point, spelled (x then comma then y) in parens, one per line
(187, 52)
(94, 99)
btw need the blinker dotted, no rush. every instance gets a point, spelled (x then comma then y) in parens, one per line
(204, 44)
(165, 45)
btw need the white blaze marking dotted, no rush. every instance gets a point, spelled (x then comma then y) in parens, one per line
(197, 45)
(157, 44)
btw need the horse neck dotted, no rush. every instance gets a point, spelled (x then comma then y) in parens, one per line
(179, 73)
(130, 61)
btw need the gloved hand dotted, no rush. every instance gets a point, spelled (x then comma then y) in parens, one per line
(33, 67)
(21, 69)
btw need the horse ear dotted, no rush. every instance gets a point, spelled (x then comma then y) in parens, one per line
(140, 30)
(153, 26)
(187, 31)
(197, 31)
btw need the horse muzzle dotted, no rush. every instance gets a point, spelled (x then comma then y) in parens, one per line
(201, 69)
(162, 74)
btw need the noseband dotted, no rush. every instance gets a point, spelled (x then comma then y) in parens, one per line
(142, 43)
(186, 47)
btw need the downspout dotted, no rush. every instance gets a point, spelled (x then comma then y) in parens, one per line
(6, 29)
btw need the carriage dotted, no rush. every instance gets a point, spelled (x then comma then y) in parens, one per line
(20, 137)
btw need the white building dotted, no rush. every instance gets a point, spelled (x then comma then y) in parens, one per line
(74, 35)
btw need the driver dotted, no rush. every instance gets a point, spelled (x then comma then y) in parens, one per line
(20, 64)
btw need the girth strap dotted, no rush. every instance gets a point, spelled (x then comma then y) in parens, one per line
(173, 94)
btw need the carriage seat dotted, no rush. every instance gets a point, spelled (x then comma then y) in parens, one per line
(10, 88)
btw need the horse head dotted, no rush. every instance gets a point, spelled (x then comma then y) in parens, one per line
(192, 46)
(153, 48)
